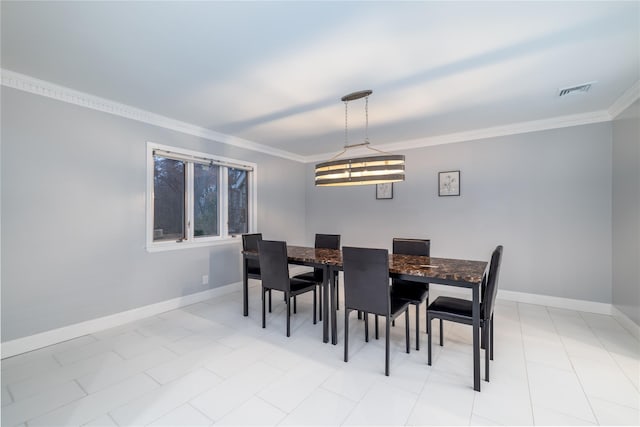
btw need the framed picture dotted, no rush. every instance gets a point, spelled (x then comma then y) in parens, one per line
(384, 191)
(449, 183)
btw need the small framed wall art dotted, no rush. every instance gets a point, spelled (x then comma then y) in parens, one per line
(384, 191)
(449, 183)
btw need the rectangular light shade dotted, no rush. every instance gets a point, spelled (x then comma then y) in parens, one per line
(360, 171)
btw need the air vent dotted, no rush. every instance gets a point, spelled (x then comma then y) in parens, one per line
(575, 89)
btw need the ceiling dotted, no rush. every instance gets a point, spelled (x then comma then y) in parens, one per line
(274, 72)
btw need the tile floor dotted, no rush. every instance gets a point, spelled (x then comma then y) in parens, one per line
(207, 364)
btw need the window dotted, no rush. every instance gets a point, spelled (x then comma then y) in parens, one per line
(238, 201)
(196, 199)
(205, 200)
(168, 204)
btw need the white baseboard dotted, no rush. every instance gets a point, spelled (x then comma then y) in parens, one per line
(557, 302)
(54, 336)
(626, 322)
(546, 300)
(43, 339)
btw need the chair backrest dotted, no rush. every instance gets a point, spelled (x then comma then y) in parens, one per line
(325, 241)
(274, 266)
(410, 247)
(328, 241)
(366, 279)
(250, 243)
(491, 290)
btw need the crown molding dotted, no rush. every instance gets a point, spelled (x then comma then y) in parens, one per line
(490, 132)
(625, 100)
(61, 93)
(50, 90)
(630, 96)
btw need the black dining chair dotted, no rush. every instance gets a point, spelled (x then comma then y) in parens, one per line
(250, 243)
(460, 310)
(414, 292)
(324, 241)
(366, 289)
(274, 269)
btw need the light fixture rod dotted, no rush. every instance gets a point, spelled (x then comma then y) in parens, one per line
(366, 112)
(346, 124)
(357, 145)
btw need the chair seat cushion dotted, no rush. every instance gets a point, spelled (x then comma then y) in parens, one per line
(411, 291)
(298, 286)
(398, 305)
(309, 276)
(457, 306)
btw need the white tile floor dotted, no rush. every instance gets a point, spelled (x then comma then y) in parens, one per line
(207, 364)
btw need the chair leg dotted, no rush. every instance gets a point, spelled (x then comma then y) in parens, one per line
(406, 327)
(377, 334)
(386, 348)
(417, 327)
(359, 315)
(346, 334)
(426, 315)
(441, 334)
(491, 338)
(487, 351)
(269, 300)
(314, 306)
(263, 315)
(337, 293)
(288, 314)
(295, 305)
(429, 341)
(320, 303)
(366, 327)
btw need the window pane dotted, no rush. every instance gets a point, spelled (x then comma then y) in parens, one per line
(238, 201)
(205, 200)
(168, 201)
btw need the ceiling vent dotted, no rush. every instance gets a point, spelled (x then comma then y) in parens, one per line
(575, 89)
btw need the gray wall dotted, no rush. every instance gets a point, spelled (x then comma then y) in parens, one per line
(73, 212)
(73, 216)
(546, 196)
(626, 212)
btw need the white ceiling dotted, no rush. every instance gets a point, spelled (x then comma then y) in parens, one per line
(274, 72)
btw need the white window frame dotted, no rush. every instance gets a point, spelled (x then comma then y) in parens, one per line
(190, 241)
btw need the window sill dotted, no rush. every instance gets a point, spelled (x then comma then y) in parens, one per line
(173, 246)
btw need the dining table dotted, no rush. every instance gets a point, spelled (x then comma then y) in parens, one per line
(422, 269)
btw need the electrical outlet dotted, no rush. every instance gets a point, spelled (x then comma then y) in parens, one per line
(205, 279)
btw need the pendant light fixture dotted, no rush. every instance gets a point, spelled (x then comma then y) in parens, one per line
(377, 169)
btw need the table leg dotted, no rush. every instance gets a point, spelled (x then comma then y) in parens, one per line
(325, 303)
(334, 322)
(475, 312)
(245, 287)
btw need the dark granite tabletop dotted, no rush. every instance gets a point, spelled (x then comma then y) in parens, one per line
(443, 270)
